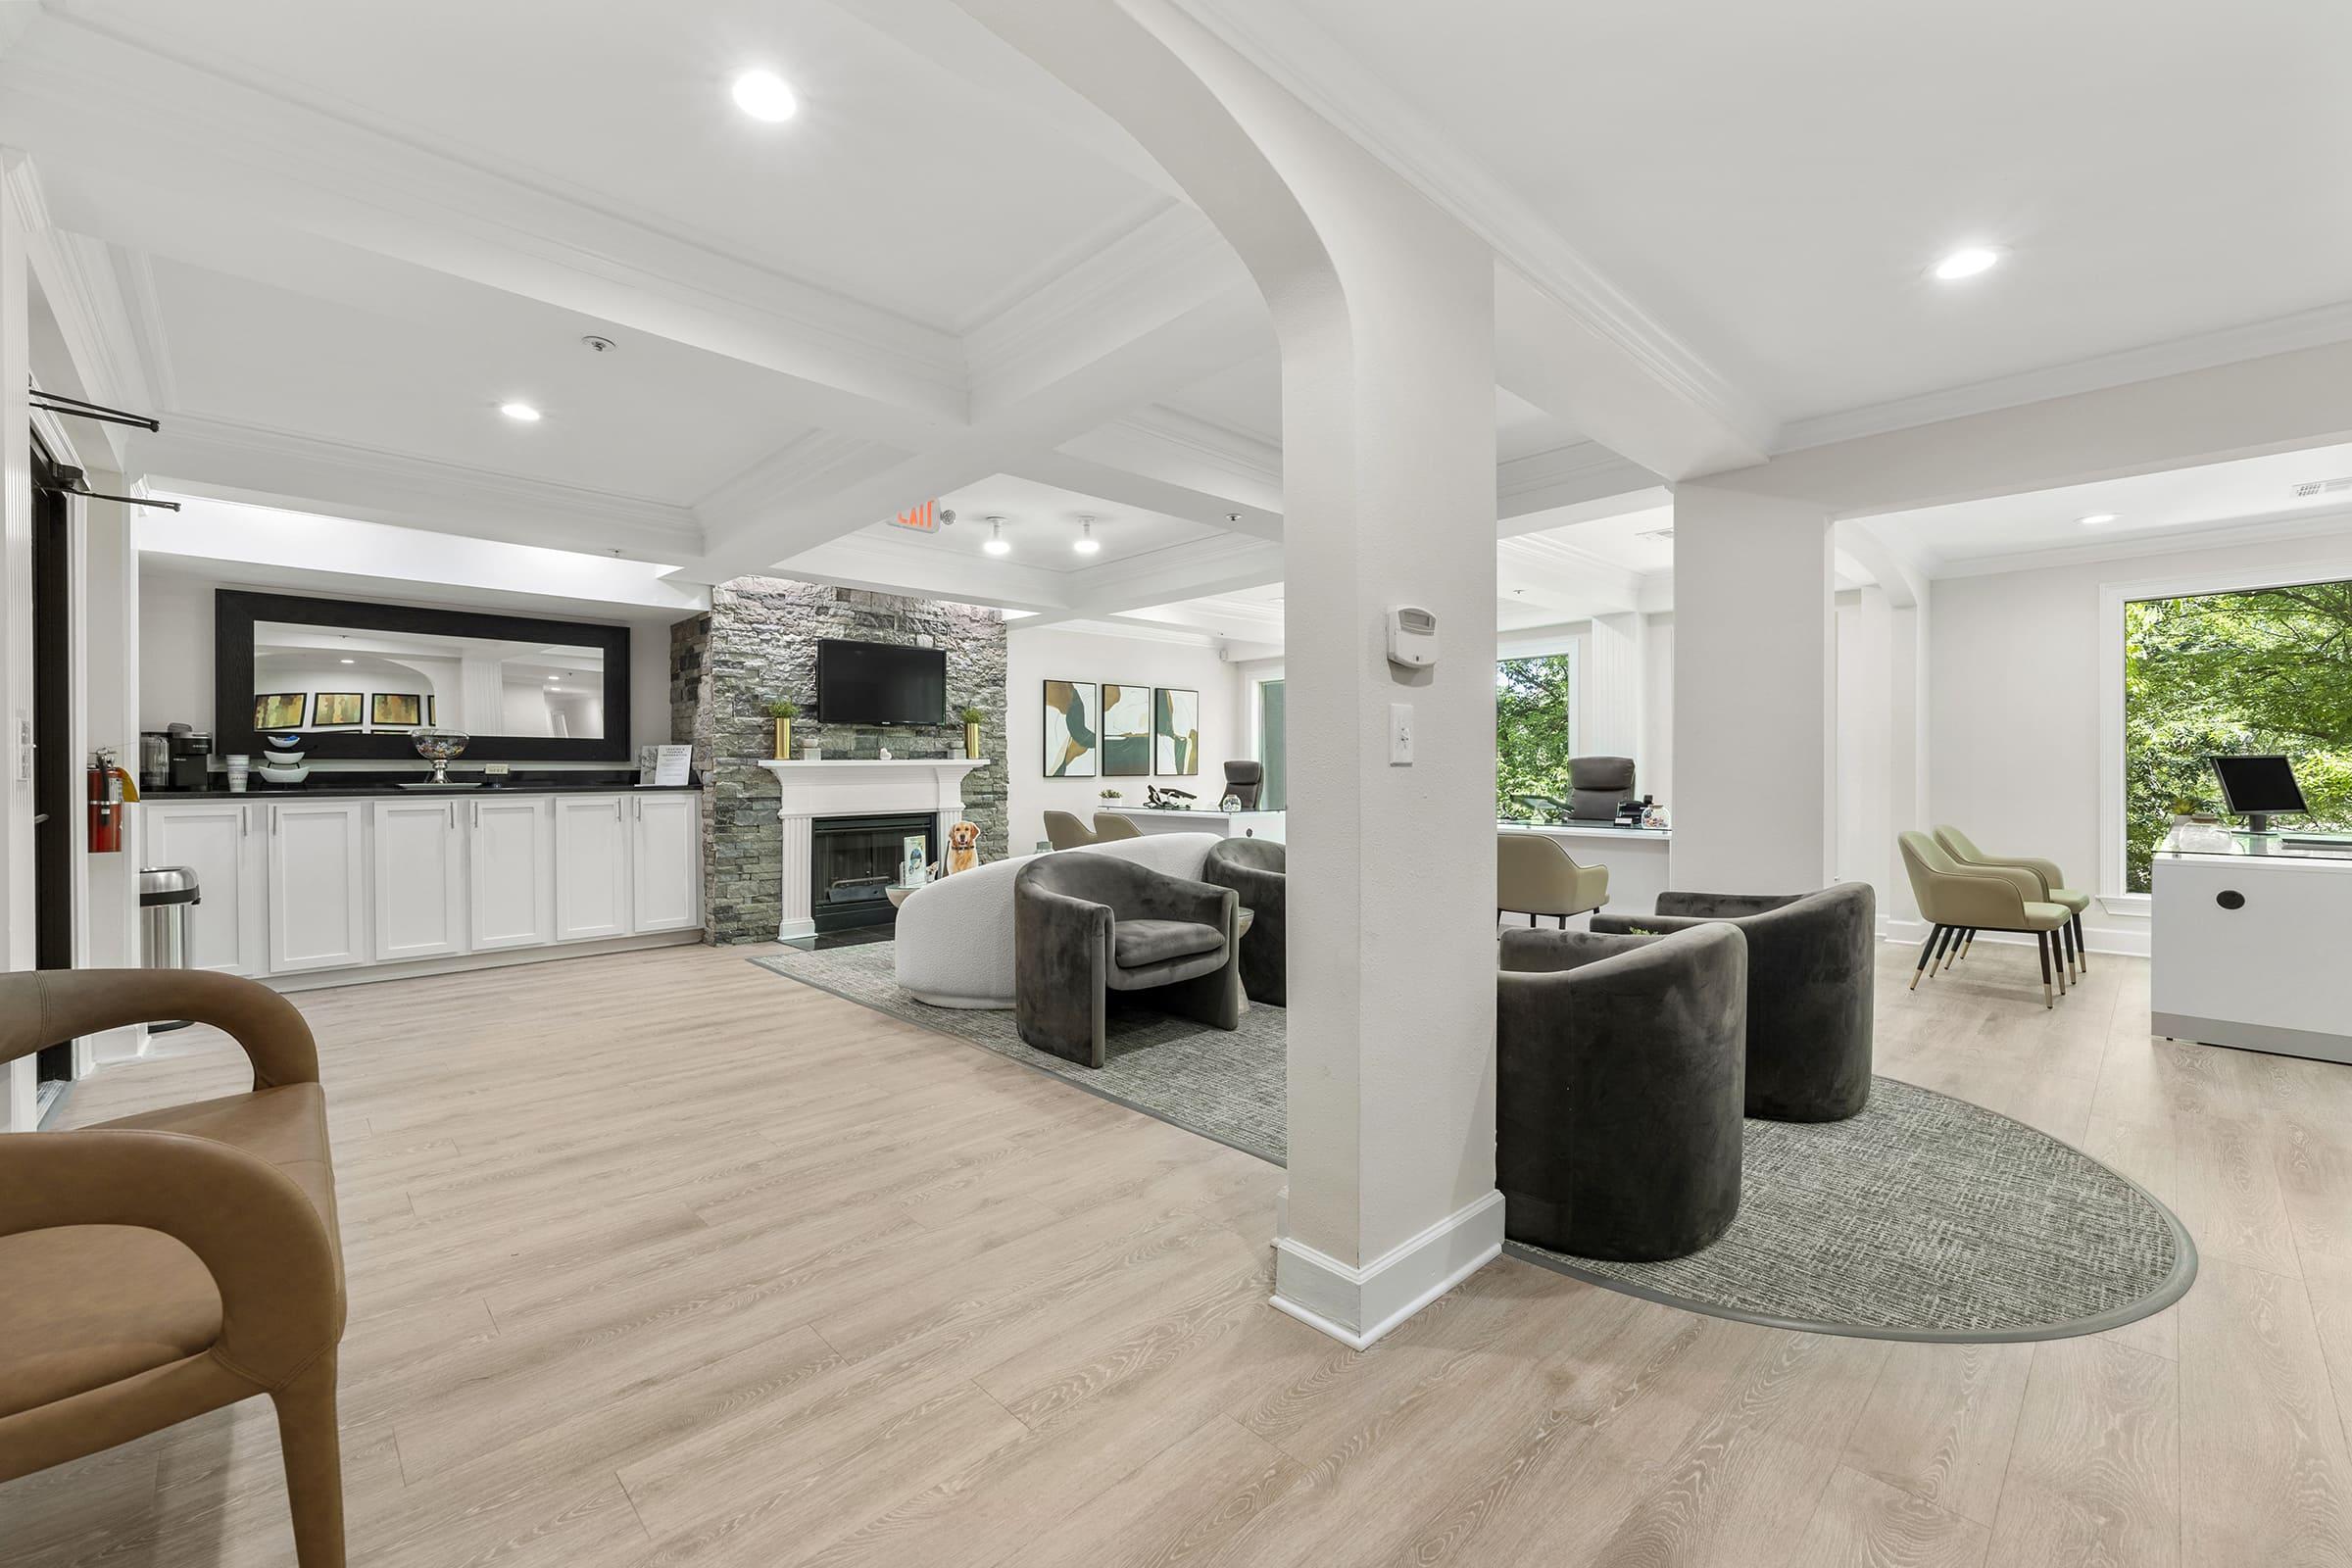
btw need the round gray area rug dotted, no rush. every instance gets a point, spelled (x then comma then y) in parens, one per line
(1925, 1217)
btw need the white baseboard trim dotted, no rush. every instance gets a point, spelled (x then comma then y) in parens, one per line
(2123, 944)
(1356, 1306)
(458, 963)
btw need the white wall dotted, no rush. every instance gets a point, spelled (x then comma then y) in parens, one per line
(1050, 653)
(2014, 743)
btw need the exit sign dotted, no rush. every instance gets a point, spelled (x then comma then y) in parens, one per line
(922, 519)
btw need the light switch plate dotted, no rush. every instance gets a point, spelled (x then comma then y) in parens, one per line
(1400, 734)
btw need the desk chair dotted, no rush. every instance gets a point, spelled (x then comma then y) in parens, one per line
(1110, 827)
(1066, 832)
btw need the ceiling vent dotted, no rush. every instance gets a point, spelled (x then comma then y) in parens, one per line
(2323, 487)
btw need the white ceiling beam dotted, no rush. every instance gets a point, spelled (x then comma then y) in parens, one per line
(258, 156)
(1568, 340)
(1161, 461)
(1160, 354)
(1584, 479)
(261, 466)
(75, 278)
(916, 566)
(2282, 403)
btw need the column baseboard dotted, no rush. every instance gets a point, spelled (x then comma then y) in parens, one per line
(1356, 1305)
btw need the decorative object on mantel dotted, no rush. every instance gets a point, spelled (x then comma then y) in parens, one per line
(964, 848)
(782, 710)
(1070, 729)
(971, 717)
(812, 751)
(883, 754)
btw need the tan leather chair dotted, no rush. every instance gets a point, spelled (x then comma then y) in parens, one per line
(2054, 890)
(1534, 876)
(1110, 827)
(166, 1264)
(1962, 900)
(1066, 832)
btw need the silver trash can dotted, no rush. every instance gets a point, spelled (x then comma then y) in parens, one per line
(166, 893)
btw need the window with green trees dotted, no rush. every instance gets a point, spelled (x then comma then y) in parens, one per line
(2264, 670)
(1532, 734)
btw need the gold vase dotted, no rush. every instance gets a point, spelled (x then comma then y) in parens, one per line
(783, 740)
(971, 739)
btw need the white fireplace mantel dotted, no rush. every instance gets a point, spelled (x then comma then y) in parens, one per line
(856, 786)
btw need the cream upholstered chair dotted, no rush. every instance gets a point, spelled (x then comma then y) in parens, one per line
(1066, 832)
(1110, 827)
(2054, 890)
(1961, 900)
(161, 1265)
(1534, 876)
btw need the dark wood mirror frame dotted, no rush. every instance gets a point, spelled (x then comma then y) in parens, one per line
(235, 610)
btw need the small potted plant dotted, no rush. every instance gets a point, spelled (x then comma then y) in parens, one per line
(971, 717)
(1113, 794)
(782, 710)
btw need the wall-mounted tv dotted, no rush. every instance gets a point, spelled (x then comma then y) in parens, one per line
(880, 683)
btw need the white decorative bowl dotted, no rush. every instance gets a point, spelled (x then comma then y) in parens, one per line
(284, 776)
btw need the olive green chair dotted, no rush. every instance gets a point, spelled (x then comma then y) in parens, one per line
(1066, 832)
(2054, 890)
(1958, 901)
(1534, 876)
(1110, 827)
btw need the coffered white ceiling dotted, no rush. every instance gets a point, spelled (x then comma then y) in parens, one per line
(325, 241)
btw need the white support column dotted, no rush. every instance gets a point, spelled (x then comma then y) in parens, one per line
(795, 908)
(1754, 673)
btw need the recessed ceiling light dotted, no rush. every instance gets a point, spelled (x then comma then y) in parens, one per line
(1085, 544)
(996, 545)
(764, 95)
(1966, 263)
(351, 660)
(520, 411)
(2099, 518)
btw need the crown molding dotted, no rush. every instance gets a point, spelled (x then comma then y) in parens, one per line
(263, 465)
(172, 114)
(76, 281)
(2331, 525)
(1124, 626)
(1565, 476)
(813, 462)
(1220, 447)
(1331, 81)
(2286, 334)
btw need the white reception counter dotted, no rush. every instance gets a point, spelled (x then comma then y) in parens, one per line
(2248, 943)
(1207, 819)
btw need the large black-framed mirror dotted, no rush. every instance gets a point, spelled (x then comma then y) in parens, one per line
(358, 679)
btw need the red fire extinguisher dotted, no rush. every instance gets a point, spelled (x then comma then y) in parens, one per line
(111, 789)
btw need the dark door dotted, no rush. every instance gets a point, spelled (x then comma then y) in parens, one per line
(56, 796)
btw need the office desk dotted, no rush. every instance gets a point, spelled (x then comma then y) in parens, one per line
(1635, 855)
(2248, 946)
(1207, 819)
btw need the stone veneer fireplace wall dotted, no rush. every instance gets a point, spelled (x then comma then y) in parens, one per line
(758, 642)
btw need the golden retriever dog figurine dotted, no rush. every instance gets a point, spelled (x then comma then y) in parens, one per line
(964, 848)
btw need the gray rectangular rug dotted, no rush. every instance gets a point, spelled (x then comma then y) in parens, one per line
(1228, 1086)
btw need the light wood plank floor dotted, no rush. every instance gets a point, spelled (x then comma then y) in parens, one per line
(660, 1259)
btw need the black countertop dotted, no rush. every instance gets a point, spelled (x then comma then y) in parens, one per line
(312, 789)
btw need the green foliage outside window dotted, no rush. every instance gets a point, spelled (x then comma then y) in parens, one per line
(2264, 672)
(1531, 730)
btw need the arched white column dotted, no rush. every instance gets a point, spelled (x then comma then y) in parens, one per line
(1383, 308)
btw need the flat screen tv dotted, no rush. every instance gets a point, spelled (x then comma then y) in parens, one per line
(880, 683)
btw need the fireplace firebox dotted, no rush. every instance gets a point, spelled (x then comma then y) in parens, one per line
(854, 861)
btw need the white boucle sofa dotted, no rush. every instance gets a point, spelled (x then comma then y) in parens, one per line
(955, 937)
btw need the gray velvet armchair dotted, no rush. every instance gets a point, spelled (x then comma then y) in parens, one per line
(1619, 1082)
(1085, 925)
(1810, 964)
(1253, 870)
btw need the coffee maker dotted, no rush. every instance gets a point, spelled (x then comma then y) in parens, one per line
(192, 758)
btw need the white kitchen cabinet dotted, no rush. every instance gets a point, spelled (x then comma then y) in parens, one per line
(221, 842)
(317, 885)
(666, 863)
(592, 867)
(512, 851)
(418, 902)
